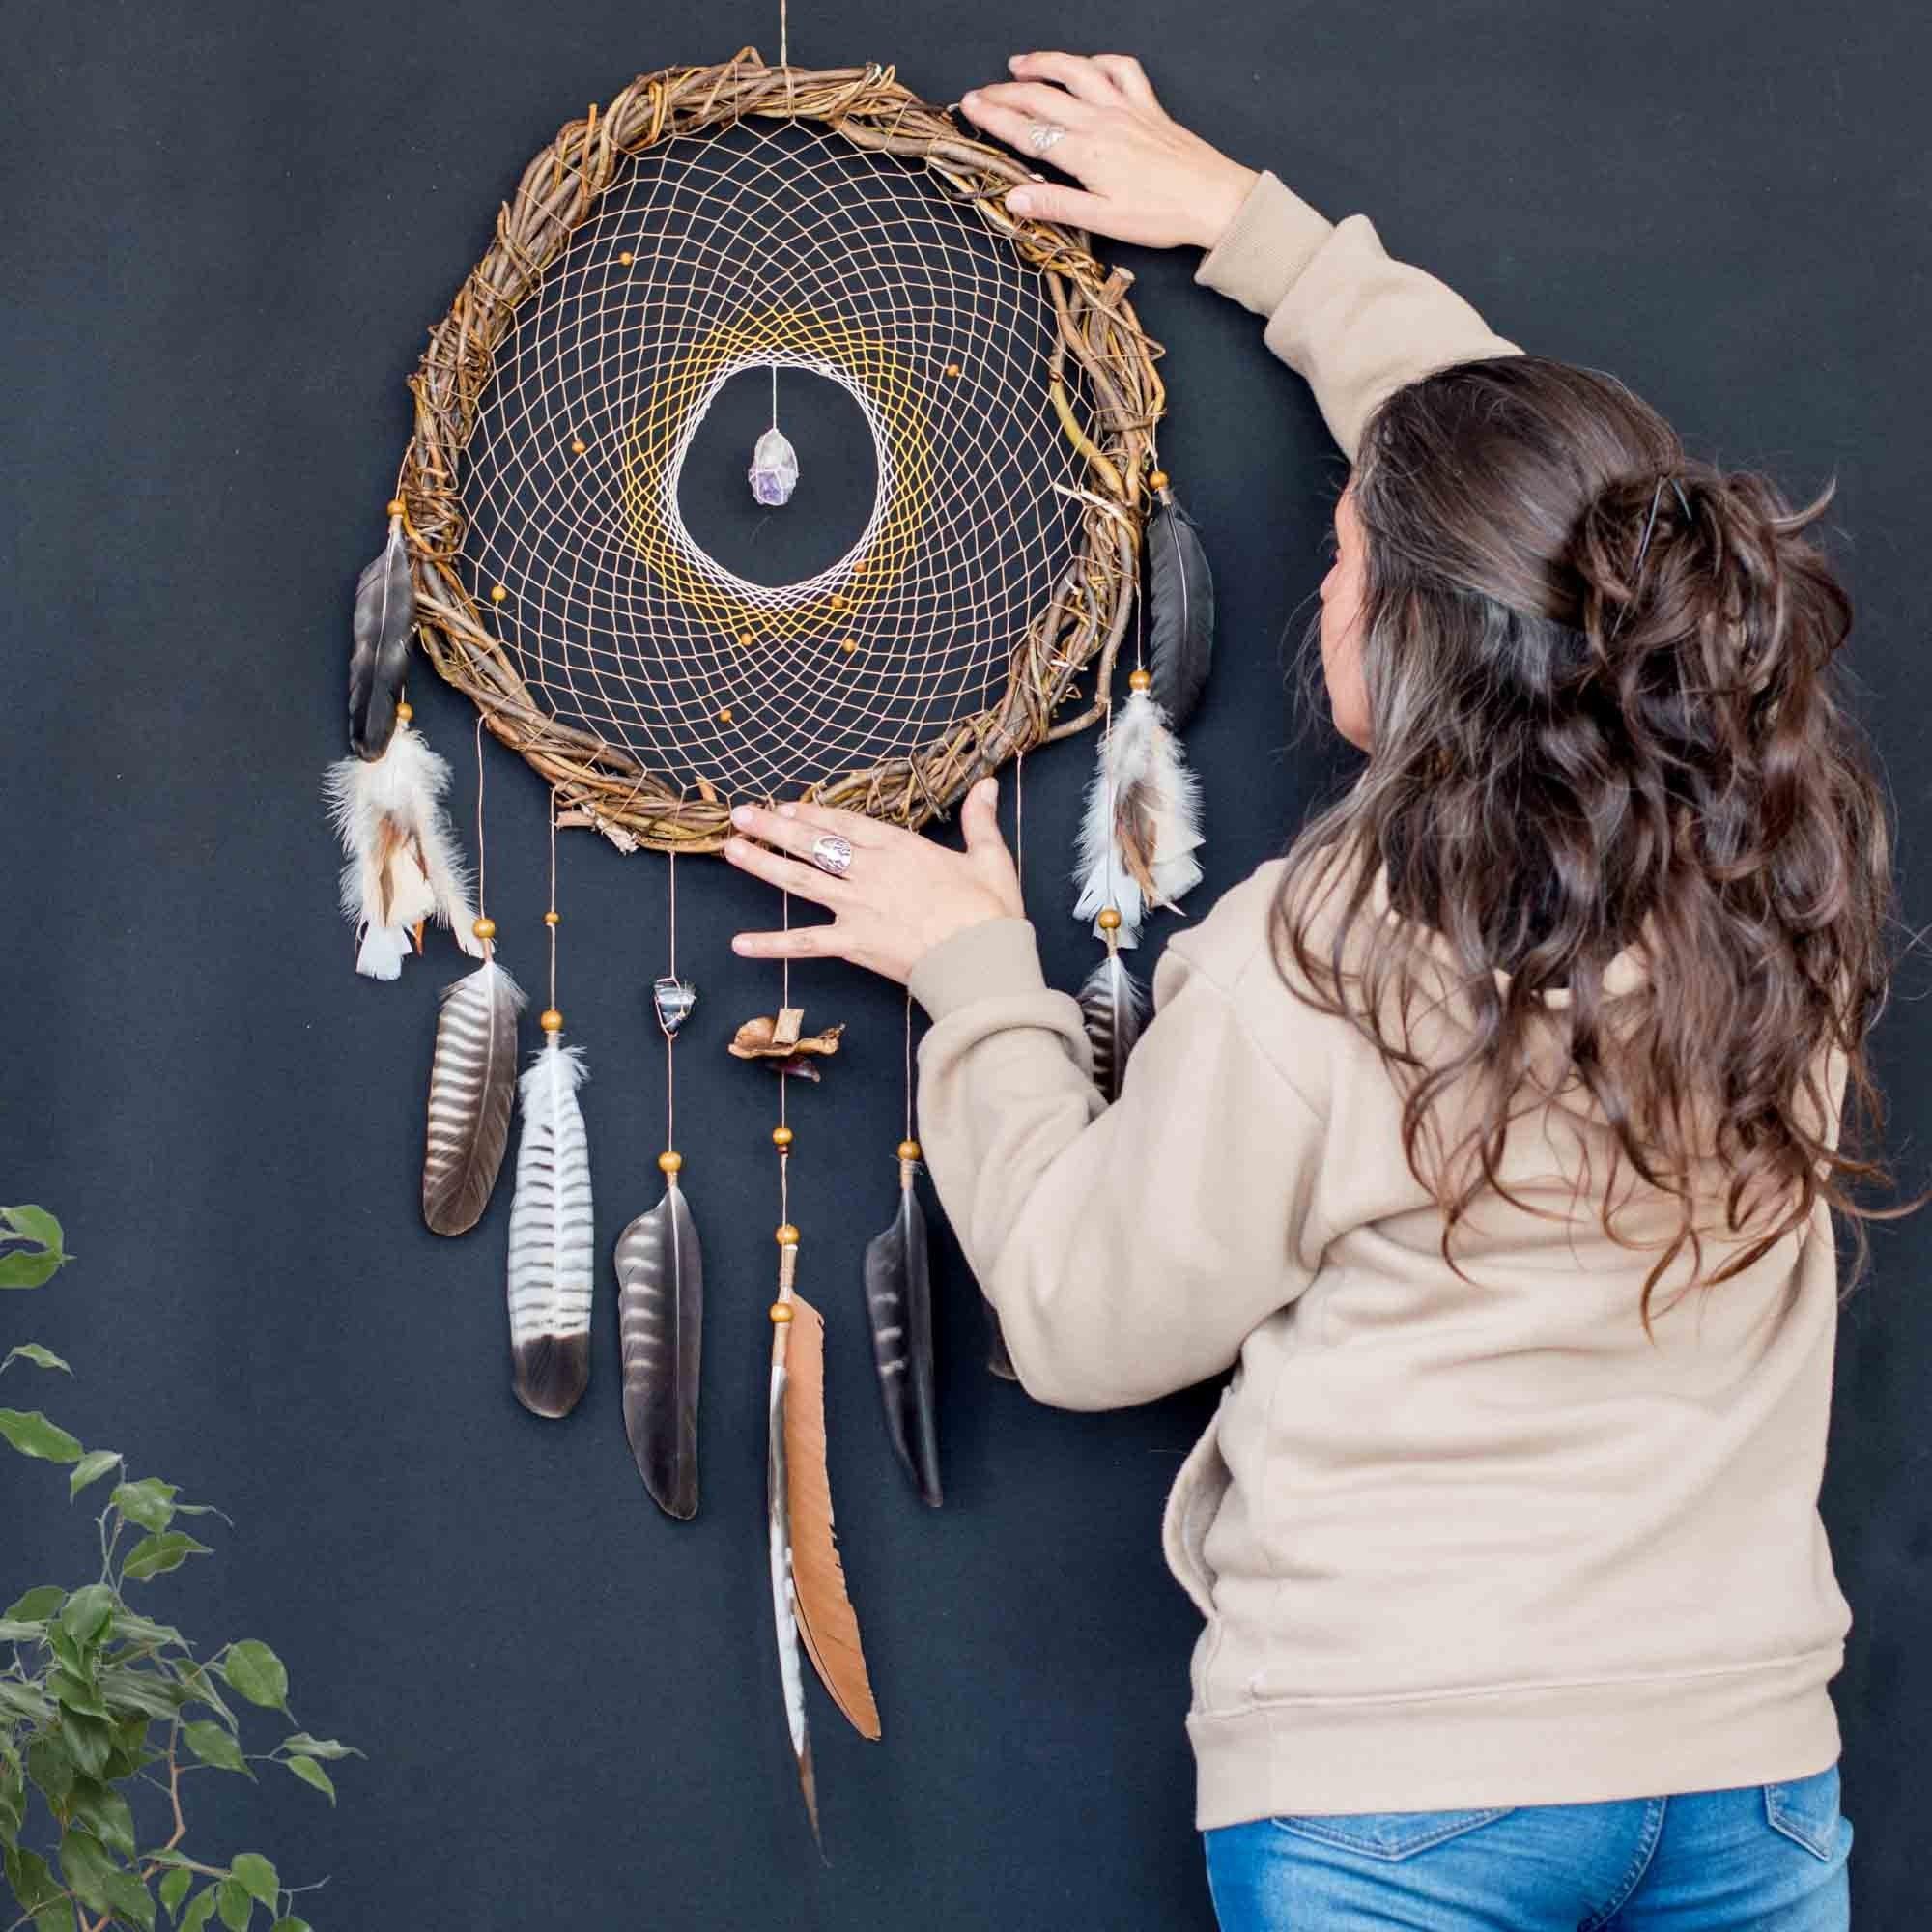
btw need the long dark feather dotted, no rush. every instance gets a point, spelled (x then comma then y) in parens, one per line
(659, 1326)
(385, 613)
(1180, 609)
(472, 1084)
(898, 1300)
(1113, 1002)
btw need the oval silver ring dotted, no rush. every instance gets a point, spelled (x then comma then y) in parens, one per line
(1042, 136)
(832, 852)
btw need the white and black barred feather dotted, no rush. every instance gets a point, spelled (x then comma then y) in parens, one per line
(549, 1273)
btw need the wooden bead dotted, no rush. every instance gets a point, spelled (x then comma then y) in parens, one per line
(724, 714)
(497, 595)
(780, 1311)
(550, 1020)
(859, 568)
(787, 1235)
(1157, 479)
(908, 1149)
(781, 1137)
(395, 506)
(952, 368)
(553, 919)
(848, 644)
(578, 445)
(669, 1162)
(627, 258)
(1109, 919)
(840, 601)
(745, 637)
(405, 711)
(1138, 679)
(485, 929)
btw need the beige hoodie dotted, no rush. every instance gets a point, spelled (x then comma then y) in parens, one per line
(1458, 1543)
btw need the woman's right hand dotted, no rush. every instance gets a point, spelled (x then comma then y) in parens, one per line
(1143, 177)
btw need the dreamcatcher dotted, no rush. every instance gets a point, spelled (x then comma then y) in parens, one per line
(827, 225)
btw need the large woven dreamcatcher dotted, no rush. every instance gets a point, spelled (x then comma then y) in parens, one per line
(710, 222)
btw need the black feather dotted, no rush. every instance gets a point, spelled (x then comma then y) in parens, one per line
(385, 612)
(660, 1325)
(898, 1302)
(1113, 1004)
(1180, 609)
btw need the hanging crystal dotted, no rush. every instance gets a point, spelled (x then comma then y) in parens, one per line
(674, 999)
(774, 470)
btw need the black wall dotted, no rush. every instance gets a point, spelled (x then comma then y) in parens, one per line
(229, 229)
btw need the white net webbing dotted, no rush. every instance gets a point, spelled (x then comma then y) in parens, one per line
(760, 245)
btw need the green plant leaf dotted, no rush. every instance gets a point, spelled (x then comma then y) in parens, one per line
(201, 1910)
(310, 1746)
(28, 1267)
(33, 1435)
(12, 1810)
(37, 1224)
(32, 1352)
(154, 1555)
(254, 1871)
(130, 1627)
(91, 1468)
(34, 1884)
(213, 1745)
(235, 1905)
(85, 1614)
(131, 1899)
(55, 1916)
(310, 1772)
(149, 1692)
(89, 1740)
(23, 1701)
(50, 1765)
(150, 1502)
(175, 1886)
(106, 1813)
(291, 1925)
(257, 1672)
(86, 1867)
(36, 1606)
(16, 1630)
(197, 1684)
(76, 1693)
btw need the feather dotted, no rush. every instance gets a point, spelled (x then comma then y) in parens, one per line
(1113, 1002)
(784, 1594)
(660, 1325)
(827, 1626)
(472, 1080)
(1141, 822)
(385, 613)
(1180, 609)
(403, 865)
(898, 1300)
(551, 1236)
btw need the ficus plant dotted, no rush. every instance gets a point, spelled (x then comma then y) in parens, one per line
(107, 1714)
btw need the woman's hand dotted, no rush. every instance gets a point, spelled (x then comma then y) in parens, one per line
(1143, 177)
(903, 895)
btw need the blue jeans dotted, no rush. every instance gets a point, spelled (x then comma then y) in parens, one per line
(1758, 1858)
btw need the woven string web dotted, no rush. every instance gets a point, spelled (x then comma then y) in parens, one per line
(754, 247)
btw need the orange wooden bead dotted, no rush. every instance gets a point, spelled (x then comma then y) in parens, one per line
(627, 258)
(553, 919)
(395, 506)
(485, 929)
(669, 1162)
(952, 368)
(578, 445)
(780, 1311)
(848, 644)
(1157, 479)
(1138, 679)
(781, 1137)
(550, 1020)
(497, 595)
(787, 1235)
(908, 1149)
(1109, 918)
(724, 714)
(405, 712)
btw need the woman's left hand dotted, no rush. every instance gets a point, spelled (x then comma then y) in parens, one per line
(903, 895)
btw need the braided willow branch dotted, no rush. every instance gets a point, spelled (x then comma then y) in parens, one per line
(602, 786)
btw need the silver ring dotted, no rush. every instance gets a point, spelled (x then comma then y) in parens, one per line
(1042, 136)
(832, 852)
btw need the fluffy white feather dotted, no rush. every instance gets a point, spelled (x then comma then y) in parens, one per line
(1140, 759)
(403, 863)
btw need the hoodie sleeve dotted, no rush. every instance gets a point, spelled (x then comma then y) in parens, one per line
(1340, 311)
(1129, 1248)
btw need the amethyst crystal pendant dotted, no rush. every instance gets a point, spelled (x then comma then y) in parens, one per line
(774, 470)
(674, 999)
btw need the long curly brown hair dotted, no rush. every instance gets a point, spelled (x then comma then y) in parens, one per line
(1602, 689)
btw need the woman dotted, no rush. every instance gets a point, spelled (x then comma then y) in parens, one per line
(1490, 1133)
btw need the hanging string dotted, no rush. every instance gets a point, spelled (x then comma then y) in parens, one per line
(670, 1096)
(479, 815)
(550, 916)
(785, 1000)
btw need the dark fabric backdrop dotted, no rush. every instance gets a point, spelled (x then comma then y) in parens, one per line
(230, 229)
